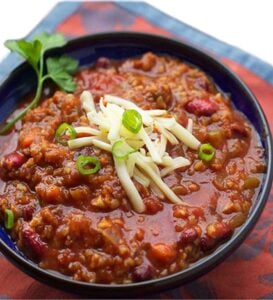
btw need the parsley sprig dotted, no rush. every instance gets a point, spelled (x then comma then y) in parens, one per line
(59, 69)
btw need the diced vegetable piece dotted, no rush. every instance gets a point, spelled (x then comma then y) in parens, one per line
(163, 253)
(216, 138)
(251, 183)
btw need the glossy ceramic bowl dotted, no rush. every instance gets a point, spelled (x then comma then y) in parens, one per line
(120, 46)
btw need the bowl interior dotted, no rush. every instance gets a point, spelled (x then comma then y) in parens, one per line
(123, 45)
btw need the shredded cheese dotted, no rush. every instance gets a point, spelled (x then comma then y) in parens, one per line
(178, 162)
(151, 161)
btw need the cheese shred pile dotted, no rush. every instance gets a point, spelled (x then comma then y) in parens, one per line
(141, 156)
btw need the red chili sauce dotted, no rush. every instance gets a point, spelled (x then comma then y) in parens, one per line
(83, 226)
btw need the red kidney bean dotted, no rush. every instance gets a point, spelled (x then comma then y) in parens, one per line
(221, 232)
(143, 272)
(187, 236)
(13, 160)
(202, 107)
(28, 212)
(207, 243)
(32, 242)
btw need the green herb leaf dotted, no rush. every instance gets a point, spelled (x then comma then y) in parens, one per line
(63, 63)
(59, 69)
(50, 41)
(64, 81)
(31, 51)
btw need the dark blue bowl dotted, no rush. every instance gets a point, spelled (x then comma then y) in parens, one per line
(124, 45)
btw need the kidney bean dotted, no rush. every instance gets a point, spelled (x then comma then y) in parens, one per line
(207, 243)
(13, 160)
(32, 242)
(187, 236)
(201, 107)
(28, 211)
(216, 233)
(143, 272)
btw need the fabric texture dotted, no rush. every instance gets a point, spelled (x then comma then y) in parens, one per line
(248, 272)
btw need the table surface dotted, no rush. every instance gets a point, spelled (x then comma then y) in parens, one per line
(245, 24)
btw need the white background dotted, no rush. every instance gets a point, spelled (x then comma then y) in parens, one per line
(247, 24)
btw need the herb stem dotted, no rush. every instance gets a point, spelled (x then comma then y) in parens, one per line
(58, 69)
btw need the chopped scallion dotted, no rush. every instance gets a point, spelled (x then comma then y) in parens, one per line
(206, 152)
(121, 149)
(88, 165)
(64, 133)
(9, 219)
(132, 120)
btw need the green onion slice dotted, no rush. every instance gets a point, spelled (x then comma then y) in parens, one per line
(132, 120)
(9, 219)
(88, 165)
(64, 133)
(206, 152)
(121, 149)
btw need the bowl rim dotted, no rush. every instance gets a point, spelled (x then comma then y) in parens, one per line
(201, 266)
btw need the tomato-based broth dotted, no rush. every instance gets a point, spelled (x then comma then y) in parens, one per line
(86, 225)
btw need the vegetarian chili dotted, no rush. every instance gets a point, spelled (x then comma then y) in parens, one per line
(66, 207)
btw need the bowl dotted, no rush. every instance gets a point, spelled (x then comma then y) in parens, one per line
(123, 45)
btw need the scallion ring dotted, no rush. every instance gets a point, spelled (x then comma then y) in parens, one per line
(132, 120)
(206, 152)
(88, 165)
(9, 219)
(121, 149)
(65, 132)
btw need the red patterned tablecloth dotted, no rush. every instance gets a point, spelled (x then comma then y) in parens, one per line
(248, 272)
